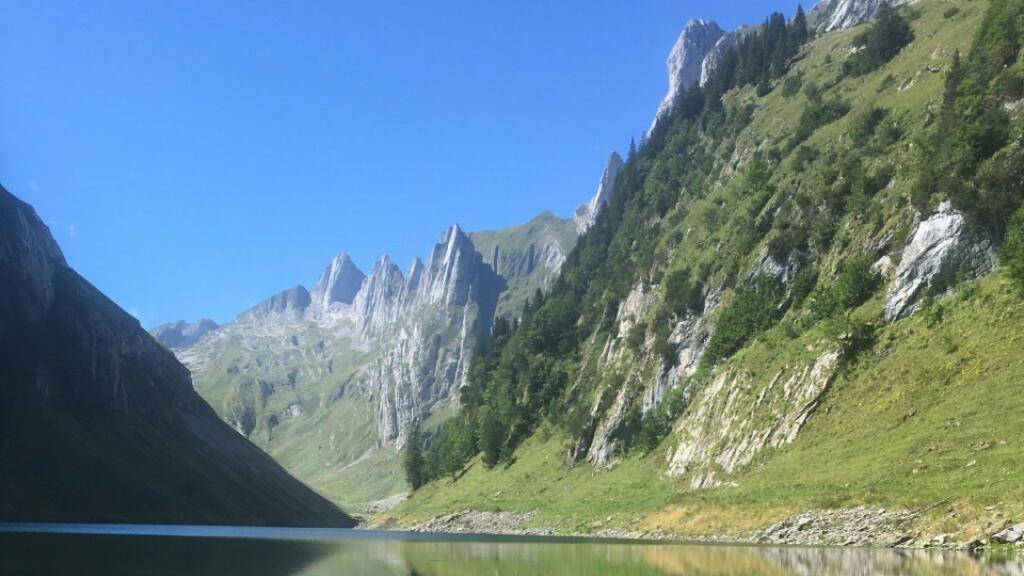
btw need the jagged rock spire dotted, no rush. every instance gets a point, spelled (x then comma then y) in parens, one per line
(339, 282)
(586, 214)
(447, 277)
(378, 301)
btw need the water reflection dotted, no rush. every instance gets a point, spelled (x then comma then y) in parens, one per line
(358, 554)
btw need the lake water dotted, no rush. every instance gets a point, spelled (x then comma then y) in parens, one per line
(196, 550)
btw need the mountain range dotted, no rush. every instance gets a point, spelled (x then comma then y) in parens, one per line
(329, 380)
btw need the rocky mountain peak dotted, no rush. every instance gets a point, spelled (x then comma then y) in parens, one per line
(339, 283)
(290, 303)
(685, 62)
(182, 334)
(586, 214)
(447, 277)
(378, 301)
(415, 271)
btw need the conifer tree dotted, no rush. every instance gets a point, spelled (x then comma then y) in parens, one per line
(490, 439)
(798, 29)
(412, 458)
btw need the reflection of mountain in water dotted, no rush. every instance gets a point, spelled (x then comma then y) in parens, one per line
(371, 554)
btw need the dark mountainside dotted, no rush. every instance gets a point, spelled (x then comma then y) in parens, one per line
(99, 422)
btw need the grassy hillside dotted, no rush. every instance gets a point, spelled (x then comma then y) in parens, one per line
(308, 407)
(927, 419)
(752, 225)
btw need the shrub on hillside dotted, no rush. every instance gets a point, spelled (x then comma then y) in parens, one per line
(1012, 252)
(819, 111)
(791, 85)
(682, 294)
(855, 285)
(754, 309)
(864, 123)
(880, 43)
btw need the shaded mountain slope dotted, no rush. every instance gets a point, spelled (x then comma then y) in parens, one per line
(99, 422)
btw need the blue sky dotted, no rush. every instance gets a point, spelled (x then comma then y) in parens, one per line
(195, 157)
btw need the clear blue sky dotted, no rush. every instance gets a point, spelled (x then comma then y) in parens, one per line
(195, 157)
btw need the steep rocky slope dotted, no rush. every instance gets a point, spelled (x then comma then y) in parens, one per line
(99, 423)
(783, 311)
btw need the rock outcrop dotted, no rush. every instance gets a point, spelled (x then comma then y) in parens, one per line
(718, 51)
(453, 308)
(731, 420)
(379, 300)
(941, 251)
(99, 421)
(831, 15)
(686, 61)
(1011, 535)
(586, 214)
(183, 334)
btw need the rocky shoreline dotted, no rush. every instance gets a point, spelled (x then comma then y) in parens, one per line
(853, 527)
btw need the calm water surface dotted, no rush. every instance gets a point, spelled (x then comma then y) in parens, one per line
(155, 550)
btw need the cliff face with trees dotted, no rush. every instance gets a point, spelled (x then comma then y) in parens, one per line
(813, 222)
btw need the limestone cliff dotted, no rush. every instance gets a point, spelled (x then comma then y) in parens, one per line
(685, 61)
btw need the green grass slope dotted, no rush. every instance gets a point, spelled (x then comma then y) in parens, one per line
(930, 415)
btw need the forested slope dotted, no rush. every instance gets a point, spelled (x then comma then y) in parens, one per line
(793, 302)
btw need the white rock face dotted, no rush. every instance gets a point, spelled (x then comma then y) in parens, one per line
(732, 420)
(831, 15)
(715, 55)
(433, 328)
(686, 61)
(339, 283)
(939, 251)
(586, 214)
(379, 300)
